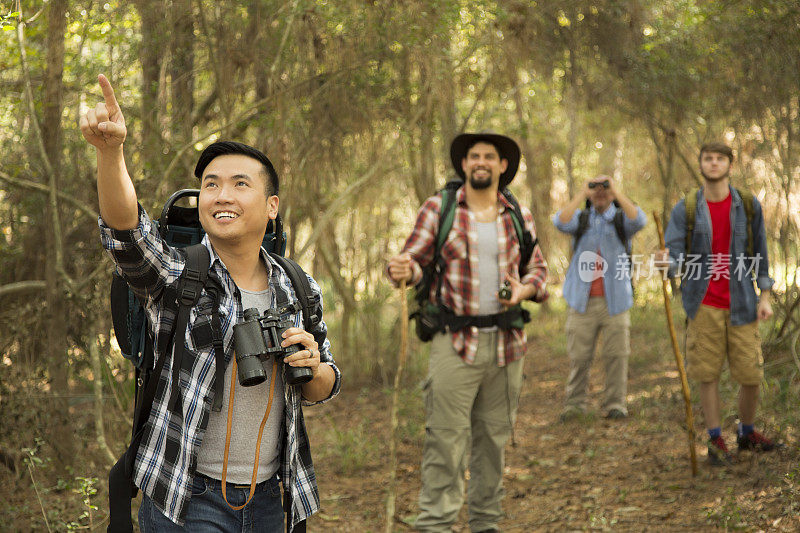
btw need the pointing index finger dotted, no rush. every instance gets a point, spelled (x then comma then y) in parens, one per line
(108, 94)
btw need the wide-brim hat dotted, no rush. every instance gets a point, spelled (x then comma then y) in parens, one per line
(508, 151)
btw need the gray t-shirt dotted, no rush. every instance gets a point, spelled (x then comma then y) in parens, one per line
(249, 406)
(488, 270)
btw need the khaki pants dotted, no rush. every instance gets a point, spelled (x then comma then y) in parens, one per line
(583, 331)
(462, 401)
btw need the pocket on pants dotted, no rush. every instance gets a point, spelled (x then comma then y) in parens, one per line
(427, 397)
(514, 378)
(199, 486)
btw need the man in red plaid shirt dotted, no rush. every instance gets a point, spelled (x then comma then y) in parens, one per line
(475, 370)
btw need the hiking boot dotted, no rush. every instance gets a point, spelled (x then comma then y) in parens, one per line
(718, 454)
(755, 441)
(615, 414)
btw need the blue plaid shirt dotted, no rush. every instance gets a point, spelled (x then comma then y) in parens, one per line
(601, 235)
(166, 459)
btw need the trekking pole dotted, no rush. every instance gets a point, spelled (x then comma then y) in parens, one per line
(401, 359)
(687, 399)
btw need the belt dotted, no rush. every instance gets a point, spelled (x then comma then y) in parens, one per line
(244, 486)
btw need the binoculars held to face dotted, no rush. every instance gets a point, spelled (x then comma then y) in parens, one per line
(604, 184)
(257, 339)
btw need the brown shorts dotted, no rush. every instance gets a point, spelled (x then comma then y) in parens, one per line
(710, 339)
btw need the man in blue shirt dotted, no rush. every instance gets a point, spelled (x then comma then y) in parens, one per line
(598, 291)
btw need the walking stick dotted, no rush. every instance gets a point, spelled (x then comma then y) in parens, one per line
(401, 359)
(678, 357)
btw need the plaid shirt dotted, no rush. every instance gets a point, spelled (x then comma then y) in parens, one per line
(166, 459)
(460, 291)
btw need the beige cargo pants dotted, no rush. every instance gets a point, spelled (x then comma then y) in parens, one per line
(464, 402)
(583, 331)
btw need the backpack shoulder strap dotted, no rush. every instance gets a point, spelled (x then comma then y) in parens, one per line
(302, 289)
(619, 226)
(583, 225)
(690, 201)
(190, 285)
(447, 214)
(748, 200)
(526, 240)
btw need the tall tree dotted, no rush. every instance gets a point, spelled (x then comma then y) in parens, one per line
(56, 293)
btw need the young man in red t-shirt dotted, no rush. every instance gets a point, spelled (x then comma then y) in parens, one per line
(719, 297)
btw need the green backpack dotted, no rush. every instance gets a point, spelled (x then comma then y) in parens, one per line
(430, 317)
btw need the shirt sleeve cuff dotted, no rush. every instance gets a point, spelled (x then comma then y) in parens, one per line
(114, 239)
(765, 283)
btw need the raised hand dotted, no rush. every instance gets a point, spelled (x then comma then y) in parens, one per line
(104, 126)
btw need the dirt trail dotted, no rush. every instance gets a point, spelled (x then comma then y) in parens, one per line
(586, 475)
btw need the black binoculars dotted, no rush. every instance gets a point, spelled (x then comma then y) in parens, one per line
(604, 184)
(257, 339)
(505, 291)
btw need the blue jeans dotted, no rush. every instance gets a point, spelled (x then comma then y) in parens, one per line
(208, 512)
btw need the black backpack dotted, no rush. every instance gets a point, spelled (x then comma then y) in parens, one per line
(179, 227)
(433, 318)
(619, 227)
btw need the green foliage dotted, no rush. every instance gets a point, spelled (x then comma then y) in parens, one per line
(7, 20)
(352, 448)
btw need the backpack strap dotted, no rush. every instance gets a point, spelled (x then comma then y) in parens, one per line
(583, 224)
(619, 226)
(748, 200)
(121, 489)
(189, 287)
(690, 201)
(526, 241)
(302, 289)
(447, 215)
(435, 269)
(215, 290)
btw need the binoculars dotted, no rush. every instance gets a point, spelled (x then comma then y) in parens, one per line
(257, 339)
(604, 184)
(505, 291)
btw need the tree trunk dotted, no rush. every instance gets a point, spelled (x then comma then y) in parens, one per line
(61, 431)
(181, 70)
(154, 39)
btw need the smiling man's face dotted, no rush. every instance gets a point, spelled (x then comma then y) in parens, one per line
(483, 166)
(234, 203)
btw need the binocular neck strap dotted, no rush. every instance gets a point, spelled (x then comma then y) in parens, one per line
(260, 432)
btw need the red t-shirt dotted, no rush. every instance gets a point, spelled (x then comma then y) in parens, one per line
(719, 292)
(597, 288)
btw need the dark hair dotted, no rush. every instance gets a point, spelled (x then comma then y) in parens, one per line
(717, 148)
(486, 140)
(232, 147)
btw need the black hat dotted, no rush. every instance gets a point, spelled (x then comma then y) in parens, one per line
(506, 146)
